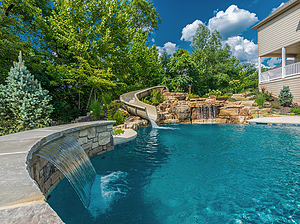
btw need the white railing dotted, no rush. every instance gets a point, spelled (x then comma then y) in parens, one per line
(290, 70)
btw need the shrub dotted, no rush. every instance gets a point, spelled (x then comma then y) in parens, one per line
(24, 105)
(118, 131)
(96, 107)
(295, 110)
(275, 104)
(216, 93)
(285, 97)
(260, 100)
(266, 93)
(114, 113)
(155, 96)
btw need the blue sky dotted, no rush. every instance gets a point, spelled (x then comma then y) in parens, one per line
(234, 19)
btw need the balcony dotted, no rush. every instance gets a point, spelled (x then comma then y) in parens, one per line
(280, 73)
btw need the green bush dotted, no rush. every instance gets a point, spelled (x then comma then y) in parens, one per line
(118, 131)
(260, 100)
(114, 113)
(96, 107)
(24, 105)
(266, 93)
(155, 96)
(216, 93)
(285, 97)
(275, 104)
(295, 110)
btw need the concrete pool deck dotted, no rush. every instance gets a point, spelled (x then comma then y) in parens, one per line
(21, 201)
(279, 121)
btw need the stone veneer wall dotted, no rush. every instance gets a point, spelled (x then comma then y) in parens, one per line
(93, 139)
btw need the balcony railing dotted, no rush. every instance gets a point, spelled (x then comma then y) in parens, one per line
(292, 69)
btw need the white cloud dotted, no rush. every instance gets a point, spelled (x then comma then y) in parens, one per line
(153, 40)
(273, 62)
(189, 30)
(169, 47)
(232, 22)
(243, 49)
(274, 9)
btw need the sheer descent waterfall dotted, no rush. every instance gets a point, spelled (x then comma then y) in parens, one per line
(69, 157)
(207, 113)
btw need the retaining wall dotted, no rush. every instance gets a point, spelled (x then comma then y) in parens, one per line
(94, 140)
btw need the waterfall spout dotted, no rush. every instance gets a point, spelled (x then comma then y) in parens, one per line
(69, 157)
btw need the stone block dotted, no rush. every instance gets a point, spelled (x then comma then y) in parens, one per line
(183, 113)
(56, 177)
(95, 144)
(247, 103)
(47, 185)
(41, 173)
(221, 120)
(91, 132)
(229, 112)
(171, 121)
(104, 138)
(83, 132)
(101, 129)
(43, 162)
(244, 112)
(238, 119)
(109, 126)
(82, 140)
(74, 135)
(238, 97)
(87, 146)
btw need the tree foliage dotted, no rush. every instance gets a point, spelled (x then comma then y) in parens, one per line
(210, 67)
(24, 105)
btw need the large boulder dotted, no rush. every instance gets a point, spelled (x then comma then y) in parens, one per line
(183, 112)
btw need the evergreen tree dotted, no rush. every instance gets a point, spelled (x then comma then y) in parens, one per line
(24, 105)
(285, 96)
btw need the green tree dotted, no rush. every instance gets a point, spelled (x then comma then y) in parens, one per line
(24, 105)
(143, 15)
(214, 65)
(145, 66)
(164, 60)
(180, 71)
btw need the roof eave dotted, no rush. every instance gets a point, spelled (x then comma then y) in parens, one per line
(277, 12)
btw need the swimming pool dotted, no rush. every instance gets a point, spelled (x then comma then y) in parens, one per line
(196, 173)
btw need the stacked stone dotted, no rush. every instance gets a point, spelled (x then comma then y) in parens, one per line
(93, 139)
(234, 112)
(177, 107)
(134, 122)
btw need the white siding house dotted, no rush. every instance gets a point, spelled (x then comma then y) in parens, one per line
(279, 36)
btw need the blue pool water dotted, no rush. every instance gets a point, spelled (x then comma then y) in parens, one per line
(206, 173)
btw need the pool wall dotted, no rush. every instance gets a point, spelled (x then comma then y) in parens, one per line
(93, 139)
(26, 178)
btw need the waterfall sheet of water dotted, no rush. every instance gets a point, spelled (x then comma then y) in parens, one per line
(69, 157)
(208, 113)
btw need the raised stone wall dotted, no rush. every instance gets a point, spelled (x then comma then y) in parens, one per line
(93, 139)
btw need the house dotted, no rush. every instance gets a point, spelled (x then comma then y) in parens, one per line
(279, 36)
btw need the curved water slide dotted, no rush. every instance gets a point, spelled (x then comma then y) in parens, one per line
(139, 108)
